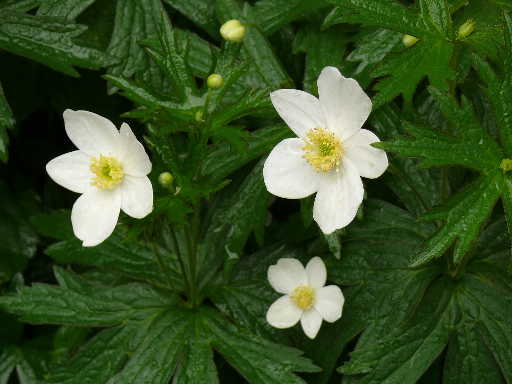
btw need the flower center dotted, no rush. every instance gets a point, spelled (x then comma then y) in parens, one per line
(108, 170)
(303, 296)
(323, 149)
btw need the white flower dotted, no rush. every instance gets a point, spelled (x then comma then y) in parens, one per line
(306, 299)
(331, 152)
(109, 169)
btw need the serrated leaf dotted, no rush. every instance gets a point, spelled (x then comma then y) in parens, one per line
(6, 122)
(256, 46)
(49, 41)
(406, 353)
(258, 360)
(389, 14)
(253, 102)
(19, 5)
(465, 214)
(78, 304)
(274, 14)
(129, 259)
(455, 148)
(68, 9)
(201, 12)
(419, 189)
(373, 46)
(233, 219)
(134, 22)
(436, 15)
(322, 48)
(223, 161)
(427, 58)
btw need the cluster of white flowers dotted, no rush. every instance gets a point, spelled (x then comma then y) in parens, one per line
(330, 155)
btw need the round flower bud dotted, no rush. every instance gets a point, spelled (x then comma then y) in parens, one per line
(409, 40)
(232, 30)
(214, 81)
(165, 179)
(506, 165)
(466, 29)
(199, 116)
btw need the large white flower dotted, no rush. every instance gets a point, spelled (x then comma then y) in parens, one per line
(305, 297)
(331, 152)
(109, 169)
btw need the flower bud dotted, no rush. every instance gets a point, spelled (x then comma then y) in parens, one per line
(214, 81)
(199, 116)
(409, 40)
(506, 165)
(165, 179)
(232, 30)
(466, 29)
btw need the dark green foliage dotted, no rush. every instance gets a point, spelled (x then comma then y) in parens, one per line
(180, 296)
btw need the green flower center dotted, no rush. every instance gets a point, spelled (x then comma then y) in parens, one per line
(108, 172)
(303, 296)
(323, 150)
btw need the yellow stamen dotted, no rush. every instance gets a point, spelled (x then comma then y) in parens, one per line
(323, 149)
(303, 296)
(108, 170)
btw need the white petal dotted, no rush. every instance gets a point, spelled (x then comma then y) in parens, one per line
(137, 196)
(287, 174)
(94, 215)
(287, 275)
(370, 162)
(300, 110)
(317, 274)
(92, 133)
(133, 155)
(346, 106)
(283, 313)
(71, 170)
(329, 302)
(338, 198)
(311, 321)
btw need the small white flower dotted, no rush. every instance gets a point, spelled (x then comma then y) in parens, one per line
(306, 299)
(331, 152)
(109, 169)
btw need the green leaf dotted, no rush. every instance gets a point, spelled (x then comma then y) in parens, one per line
(223, 160)
(388, 14)
(256, 46)
(451, 148)
(465, 213)
(19, 242)
(19, 5)
(419, 189)
(406, 352)
(78, 303)
(172, 60)
(258, 360)
(436, 16)
(201, 12)
(427, 58)
(68, 9)
(322, 48)
(274, 14)
(49, 41)
(134, 22)
(56, 224)
(233, 219)
(7, 365)
(252, 102)
(129, 259)
(373, 46)
(6, 122)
